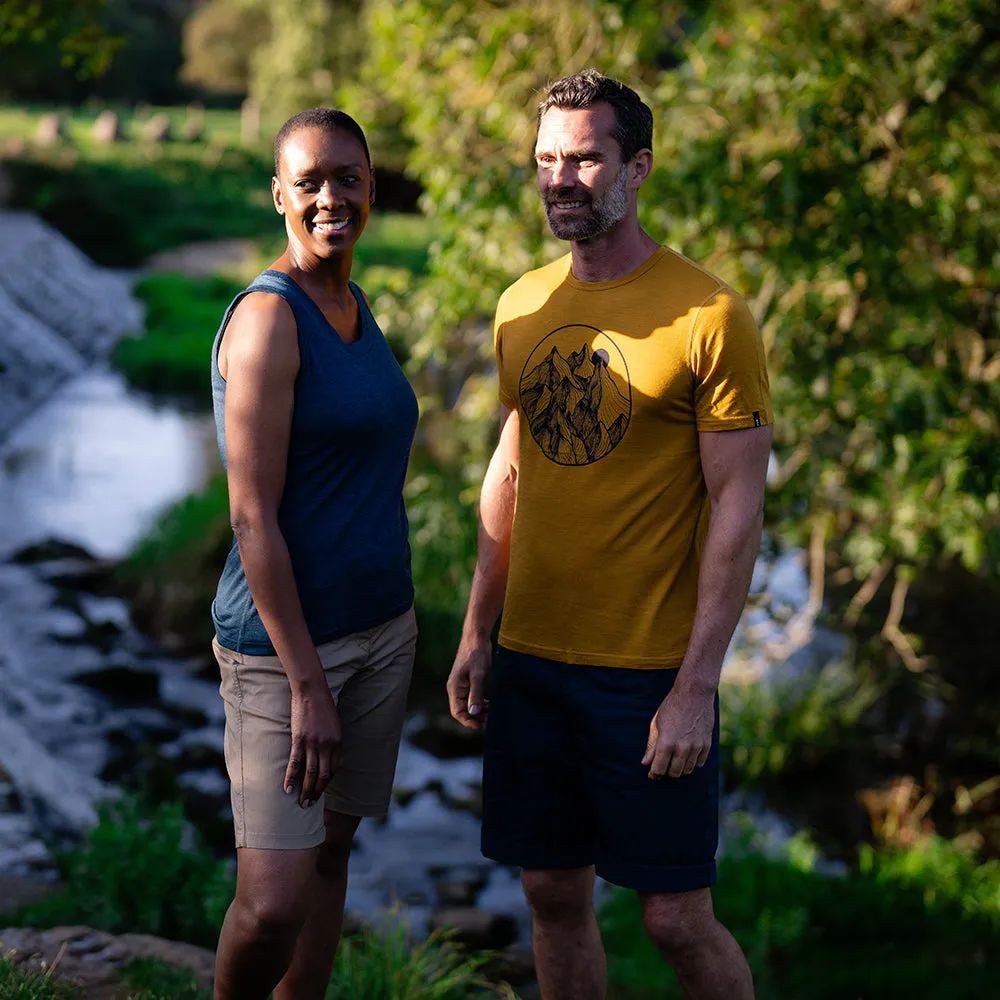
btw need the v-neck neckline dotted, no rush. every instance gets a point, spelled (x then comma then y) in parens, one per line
(365, 337)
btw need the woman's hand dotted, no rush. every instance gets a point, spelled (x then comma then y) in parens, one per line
(316, 738)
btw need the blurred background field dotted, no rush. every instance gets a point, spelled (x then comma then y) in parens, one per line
(835, 161)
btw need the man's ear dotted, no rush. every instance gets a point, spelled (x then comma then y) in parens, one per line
(276, 196)
(641, 167)
(371, 188)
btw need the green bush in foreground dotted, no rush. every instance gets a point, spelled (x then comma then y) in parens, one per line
(139, 871)
(923, 924)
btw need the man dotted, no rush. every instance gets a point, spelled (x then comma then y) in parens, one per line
(634, 443)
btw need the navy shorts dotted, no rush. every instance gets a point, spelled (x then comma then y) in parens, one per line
(564, 785)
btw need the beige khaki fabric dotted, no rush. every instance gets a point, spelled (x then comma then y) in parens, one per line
(369, 674)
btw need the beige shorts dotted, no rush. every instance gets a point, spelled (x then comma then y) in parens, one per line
(369, 674)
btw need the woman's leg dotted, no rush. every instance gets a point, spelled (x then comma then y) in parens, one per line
(274, 891)
(309, 974)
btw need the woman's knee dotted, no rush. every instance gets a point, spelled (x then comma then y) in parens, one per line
(335, 851)
(559, 895)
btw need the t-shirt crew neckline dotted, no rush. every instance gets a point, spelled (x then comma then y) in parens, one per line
(364, 341)
(600, 286)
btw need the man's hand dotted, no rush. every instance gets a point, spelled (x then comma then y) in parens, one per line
(680, 735)
(316, 740)
(467, 683)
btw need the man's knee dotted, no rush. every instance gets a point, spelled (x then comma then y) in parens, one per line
(559, 895)
(678, 923)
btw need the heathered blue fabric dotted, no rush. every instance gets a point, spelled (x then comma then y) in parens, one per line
(341, 513)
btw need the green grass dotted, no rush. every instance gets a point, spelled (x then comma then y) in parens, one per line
(922, 924)
(24, 984)
(172, 358)
(375, 965)
(154, 979)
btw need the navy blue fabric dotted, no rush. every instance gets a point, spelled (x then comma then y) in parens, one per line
(341, 513)
(564, 785)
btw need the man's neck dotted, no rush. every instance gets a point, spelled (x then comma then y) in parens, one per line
(613, 254)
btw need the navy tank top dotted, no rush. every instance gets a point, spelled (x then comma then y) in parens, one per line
(341, 513)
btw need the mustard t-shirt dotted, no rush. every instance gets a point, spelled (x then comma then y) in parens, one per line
(612, 381)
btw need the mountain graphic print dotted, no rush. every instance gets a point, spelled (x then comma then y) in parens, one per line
(577, 407)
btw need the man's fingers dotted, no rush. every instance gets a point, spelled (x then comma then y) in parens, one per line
(650, 754)
(477, 693)
(678, 762)
(703, 756)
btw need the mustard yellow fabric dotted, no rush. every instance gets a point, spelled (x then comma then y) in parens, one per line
(612, 381)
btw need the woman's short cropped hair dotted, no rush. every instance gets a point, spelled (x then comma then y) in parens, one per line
(328, 119)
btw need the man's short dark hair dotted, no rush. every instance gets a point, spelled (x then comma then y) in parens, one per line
(328, 119)
(633, 119)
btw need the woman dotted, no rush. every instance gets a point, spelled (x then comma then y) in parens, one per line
(315, 631)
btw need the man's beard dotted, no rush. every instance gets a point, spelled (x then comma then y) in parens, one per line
(604, 213)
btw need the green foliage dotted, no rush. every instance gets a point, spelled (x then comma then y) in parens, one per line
(72, 24)
(154, 979)
(220, 38)
(833, 161)
(23, 984)
(182, 316)
(171, 574)
(123, 204)
(374, 965)
(766, 725)
(837, 166)
(875, 932)
(139, 871)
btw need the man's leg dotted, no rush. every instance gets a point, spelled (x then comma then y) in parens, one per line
(273, 894)
(707, 960)
(569, 955)
(309, 974)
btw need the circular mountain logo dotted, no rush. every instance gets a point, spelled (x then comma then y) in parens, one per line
(575, 395)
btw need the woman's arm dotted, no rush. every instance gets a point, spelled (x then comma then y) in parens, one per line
(259, 358)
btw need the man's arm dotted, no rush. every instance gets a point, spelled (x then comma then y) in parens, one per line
(734, 464)
(469, 674)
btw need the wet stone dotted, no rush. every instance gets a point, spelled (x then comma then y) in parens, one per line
(51, 550)
(122, 683)
(442, 737)
(476, 929)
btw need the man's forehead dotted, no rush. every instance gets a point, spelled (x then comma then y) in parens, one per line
(577, 126)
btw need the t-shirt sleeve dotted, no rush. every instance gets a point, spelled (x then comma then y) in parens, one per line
(506, 396)
(731, 389)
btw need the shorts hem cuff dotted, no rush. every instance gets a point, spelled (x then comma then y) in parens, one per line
(278, 842)
(533, 860)
(652, 878)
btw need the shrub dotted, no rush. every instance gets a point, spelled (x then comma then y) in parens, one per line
(139, 871)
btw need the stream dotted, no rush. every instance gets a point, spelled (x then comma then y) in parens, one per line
(87, 702)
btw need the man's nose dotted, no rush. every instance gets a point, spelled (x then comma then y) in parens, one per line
(563, 174)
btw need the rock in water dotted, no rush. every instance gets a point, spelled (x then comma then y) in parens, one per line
(58, 313)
